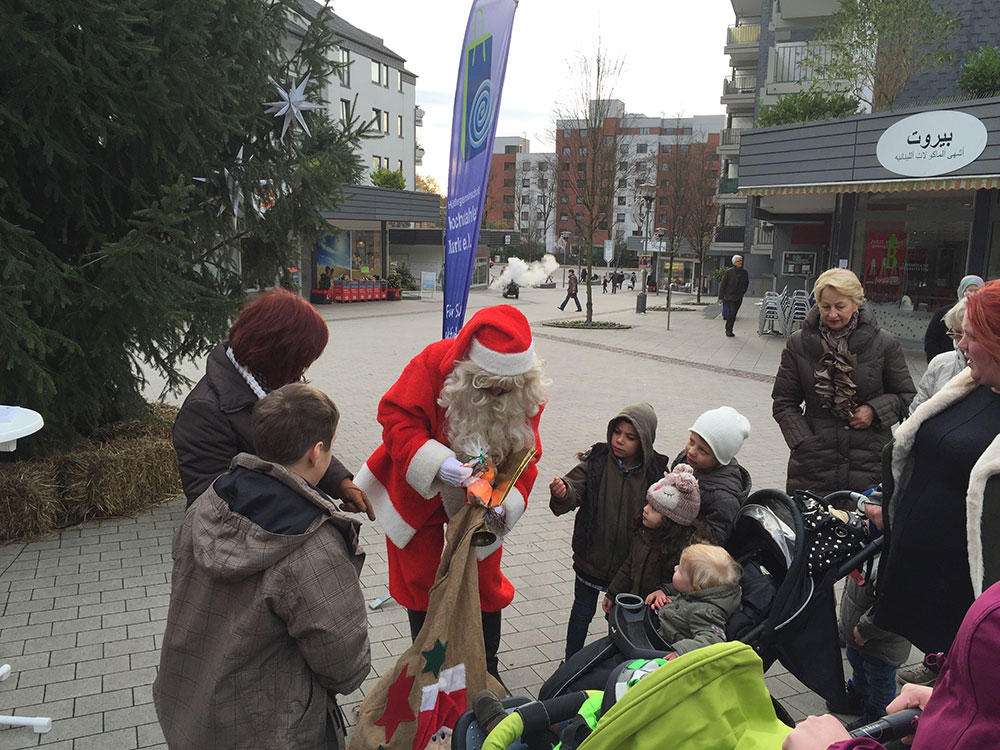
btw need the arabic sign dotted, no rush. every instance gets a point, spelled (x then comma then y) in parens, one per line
(931, 143)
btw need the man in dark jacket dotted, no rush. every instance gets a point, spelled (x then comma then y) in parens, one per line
(731, 291)
(572, 286)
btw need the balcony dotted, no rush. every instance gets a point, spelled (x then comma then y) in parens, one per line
(730, 234)
(795, 62)
(729, 142)
(418, 117)
(763, 236)
(728, 185)
(746, 34)
(418, 155)
(739, 92)
(742, 43)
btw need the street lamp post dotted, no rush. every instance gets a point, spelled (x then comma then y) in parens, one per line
(660, 234)
(647, 192)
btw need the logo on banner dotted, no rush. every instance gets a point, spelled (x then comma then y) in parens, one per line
(477, 110)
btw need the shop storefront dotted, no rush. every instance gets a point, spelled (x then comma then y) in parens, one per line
(912, 200)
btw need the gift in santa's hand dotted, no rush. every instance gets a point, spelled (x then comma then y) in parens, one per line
(490, 487)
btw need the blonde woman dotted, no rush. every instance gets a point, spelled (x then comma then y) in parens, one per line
(841, 386)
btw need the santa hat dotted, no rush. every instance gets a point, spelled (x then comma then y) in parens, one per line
(676, 496)
(497, 339)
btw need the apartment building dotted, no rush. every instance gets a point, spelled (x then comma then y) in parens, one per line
(520, 194)
(374, 86)
(908, 198)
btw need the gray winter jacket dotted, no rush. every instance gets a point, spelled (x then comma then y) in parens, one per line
(690, 621)
(827, 454)
(855, 612)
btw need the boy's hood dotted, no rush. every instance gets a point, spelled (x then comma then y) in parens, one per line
(230, 546)
(643, 418)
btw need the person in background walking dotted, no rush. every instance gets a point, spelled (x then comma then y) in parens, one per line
(734, 285)
(572, 286)
(604, 284)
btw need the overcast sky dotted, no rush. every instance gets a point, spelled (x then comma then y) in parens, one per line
(674, 61)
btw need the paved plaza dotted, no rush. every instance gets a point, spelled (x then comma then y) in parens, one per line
(84, 610)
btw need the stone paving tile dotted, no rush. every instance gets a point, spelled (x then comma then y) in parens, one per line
(82, 612)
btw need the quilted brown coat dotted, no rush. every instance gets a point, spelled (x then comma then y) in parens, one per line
(265, 625)
(827, 454)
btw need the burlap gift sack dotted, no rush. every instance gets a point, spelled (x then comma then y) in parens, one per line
(436, 678)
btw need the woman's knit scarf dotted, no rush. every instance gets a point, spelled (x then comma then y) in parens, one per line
(834, 387)
(257, 383)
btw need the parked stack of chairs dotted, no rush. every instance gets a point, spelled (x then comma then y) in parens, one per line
(772, 310)
(781, 312)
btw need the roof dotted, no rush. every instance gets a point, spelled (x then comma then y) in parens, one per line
(349, 32)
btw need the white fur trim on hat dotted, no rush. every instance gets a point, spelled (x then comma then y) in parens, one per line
(724, 429)
(499, 363)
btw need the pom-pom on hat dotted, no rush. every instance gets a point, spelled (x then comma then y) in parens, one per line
(497, 339)
(724, 429)
(676, 496)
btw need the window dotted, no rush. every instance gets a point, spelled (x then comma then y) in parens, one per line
(345, 110)
(565, 151)
(540, 200)
(542, 183)
(563, 199)
(686, 131)
(581, 184)
(564, 166)
(579, 217)
(583, 151)
(619, 217)
(684, 148)
(376, 162)
(603, 224)
(622, 183)
(664, 183)
(510, 149)
(399, 80)
(621, 200)
(566, 132)
(399, 164)
(663, 200)
(583, 132)
(623, 149)
(623, 166)
(539, 216)
(508, 183)
(525, 182)
(524, 216)
(608, 140)
(662, 218)
(343, 57)
(667, 148)
(564, 184)
(508, 215)
(399, 125)
(579, 200)
(385, 122)
(581, 166)
(380, 119)
(376, 72)
(508, 199)
(642, 148)
(563, 217)
(508, 166)
(643, 131)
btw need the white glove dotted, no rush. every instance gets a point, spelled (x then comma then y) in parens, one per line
(454, 472)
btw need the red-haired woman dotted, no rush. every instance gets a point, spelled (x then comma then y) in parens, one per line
(276, 337)
(943, 518)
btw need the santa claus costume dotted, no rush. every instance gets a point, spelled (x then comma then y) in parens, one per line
(402, 477)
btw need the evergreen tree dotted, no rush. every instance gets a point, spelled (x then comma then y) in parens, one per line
(114, 257)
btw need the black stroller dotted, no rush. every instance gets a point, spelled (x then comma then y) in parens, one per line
(787, 613)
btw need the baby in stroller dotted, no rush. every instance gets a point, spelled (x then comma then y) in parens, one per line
(705, 592)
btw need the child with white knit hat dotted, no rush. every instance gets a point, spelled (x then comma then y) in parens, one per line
(713, 442)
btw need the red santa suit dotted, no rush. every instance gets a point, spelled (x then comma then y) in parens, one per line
(401, 476)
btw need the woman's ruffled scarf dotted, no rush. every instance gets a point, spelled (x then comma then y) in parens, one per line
(834, 387)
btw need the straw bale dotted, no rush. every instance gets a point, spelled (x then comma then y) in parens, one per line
(29, 499)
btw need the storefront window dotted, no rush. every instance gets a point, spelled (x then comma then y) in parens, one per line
(367, 253)
(914, 246)
(349, 254)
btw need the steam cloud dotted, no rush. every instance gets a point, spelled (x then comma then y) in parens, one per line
(526, 274)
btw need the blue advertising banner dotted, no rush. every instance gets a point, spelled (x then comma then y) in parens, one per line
(473, 126)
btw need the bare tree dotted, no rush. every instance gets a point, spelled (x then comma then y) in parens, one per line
(591, 123)
(688, 180)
